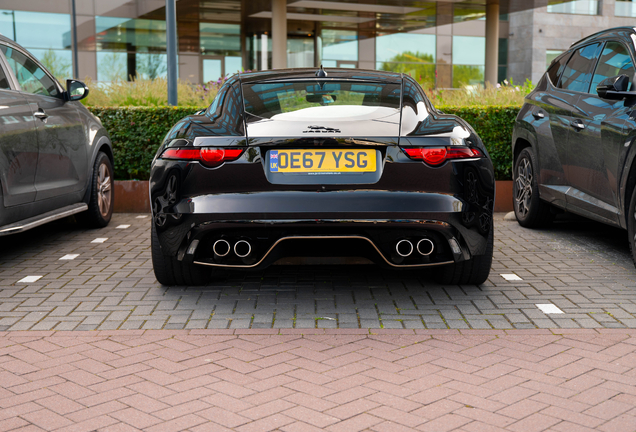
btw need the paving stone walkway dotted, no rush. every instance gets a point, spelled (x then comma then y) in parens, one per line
(332, 380)
(103, 280)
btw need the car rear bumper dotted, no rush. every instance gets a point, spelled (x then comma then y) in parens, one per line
(334, 224)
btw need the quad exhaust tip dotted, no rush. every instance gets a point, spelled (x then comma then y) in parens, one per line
(425, 247)
(221, 248)
(242, 248)
(404, 248)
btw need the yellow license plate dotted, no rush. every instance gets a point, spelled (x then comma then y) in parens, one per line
(314, 161)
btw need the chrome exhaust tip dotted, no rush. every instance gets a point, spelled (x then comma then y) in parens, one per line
(242, 248)
(221, 248)
(425, 247)
(404, 248)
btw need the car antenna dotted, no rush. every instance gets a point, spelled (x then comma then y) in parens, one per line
(320, 73)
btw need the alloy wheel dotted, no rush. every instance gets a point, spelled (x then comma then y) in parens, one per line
(104, 190)
(523, 189)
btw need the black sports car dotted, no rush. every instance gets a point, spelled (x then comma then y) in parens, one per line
(290, 163)
(573, 141)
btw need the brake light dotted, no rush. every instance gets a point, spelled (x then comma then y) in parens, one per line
(208, 156)
(438, 155)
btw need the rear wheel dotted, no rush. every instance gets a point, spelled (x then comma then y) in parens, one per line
(631, 225)
(530, 210)
(101, 203)
(474, 271)
(170, 271)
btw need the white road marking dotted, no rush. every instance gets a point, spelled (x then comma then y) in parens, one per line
(100, 240)
(549, 308)
(123, 226)
(510, 277)
(142, 217)
(69, 257)
(30, 279)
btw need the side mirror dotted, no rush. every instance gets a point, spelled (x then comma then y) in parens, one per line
(613, 87)
(76, 90)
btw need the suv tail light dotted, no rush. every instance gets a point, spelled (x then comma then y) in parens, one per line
(208, 156)
(438, 155)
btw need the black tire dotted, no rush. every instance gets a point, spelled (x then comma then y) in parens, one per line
(474, 271)
(101, 203)
(170, 271)
(631, 225)
(530, 210)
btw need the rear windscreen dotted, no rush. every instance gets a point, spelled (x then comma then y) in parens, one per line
(269, 99)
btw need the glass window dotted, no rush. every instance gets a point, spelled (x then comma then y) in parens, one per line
(550, 55)
(220, 39)
(555, 71)
(31, 77)
(625, 8)
(112, 66)
(339, 45)
(469, 58)
(268, 100)
(4, 82)
(409, 53)
(212, 69)
(37, 29)
(579, 7)
(615, 60)
(578, 71)
(134, 35)
(151, 65)
(468, 12)
(300, 52)
(58, 62)
(233, 64)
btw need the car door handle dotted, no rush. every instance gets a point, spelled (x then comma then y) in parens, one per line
(577, 124)
(40, 114)
(538, 114)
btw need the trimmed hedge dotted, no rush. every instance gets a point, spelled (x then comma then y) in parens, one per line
(136, 133)
(494, 125)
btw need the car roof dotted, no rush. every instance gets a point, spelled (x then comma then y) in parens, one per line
(332, 74)
(614, 31)
(7, 40)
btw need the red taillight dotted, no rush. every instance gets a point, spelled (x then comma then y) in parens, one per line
(208, 156)
(438, 155)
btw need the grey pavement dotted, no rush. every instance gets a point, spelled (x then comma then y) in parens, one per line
(581, 267)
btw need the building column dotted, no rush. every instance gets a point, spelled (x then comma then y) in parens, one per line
(171, 50)
(492, 41)
(279, 34)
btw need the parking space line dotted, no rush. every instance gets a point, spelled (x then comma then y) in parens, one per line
(549, 308)
(124, 226)
(30, 279)
(69, 257)
(511, 277)
(141, 217)
(100, 240)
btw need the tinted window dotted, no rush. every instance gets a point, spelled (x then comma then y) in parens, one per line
(577, 74)
(615, 60)
(4, 82)
(269, 99)
(31, 77)
(554, 72)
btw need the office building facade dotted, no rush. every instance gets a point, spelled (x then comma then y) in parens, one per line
(440, 43)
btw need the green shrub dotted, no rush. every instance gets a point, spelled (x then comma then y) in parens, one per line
(494, 125)
(136, 133)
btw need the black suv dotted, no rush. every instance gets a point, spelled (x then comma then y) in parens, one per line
(55, 156)
(573, 141)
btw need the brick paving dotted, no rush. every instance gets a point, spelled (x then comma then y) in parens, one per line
(582, 267)
(319, 379)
